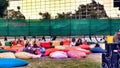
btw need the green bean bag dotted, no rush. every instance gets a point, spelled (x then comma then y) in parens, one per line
(7, 44)
(2, 51)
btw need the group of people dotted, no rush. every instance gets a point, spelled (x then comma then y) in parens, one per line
(34, 48)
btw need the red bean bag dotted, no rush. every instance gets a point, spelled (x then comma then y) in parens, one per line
(50, 50)
(83, 46)
(22, 42)
(15, 42)
(76, 54)
(45, 44)
(66, 42)
(37, 52)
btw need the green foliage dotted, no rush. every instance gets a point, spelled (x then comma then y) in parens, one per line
(3, 6)
(45, 15)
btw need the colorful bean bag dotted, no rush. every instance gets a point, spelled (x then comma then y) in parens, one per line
(98, 50)
(76, 54)
(58, 55)
(7, 55)
(50, 50)
(45, 44)
(55, 43)
(60, 47)
(12, 62)
(83, 46)
(24, 55)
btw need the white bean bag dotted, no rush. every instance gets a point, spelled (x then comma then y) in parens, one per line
(7, 55)
(58, 55)
(76, 54)
(24, 55)
(36, 56)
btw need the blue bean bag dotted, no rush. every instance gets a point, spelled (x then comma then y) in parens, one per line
(98, 50)
(12, 62)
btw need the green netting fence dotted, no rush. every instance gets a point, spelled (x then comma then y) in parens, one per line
(59, 27)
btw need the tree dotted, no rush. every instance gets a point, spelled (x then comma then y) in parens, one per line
(90, 10)
(63, 15)
(45, 15)
(12, 14)
(3, 6)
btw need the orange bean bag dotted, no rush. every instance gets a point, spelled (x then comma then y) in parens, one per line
(83, 46)
(14, 48)
(66, 42)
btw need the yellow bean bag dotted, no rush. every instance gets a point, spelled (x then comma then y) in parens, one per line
(109, 39)
(60, 47)
(55, 43)
(7, 55)
(23, 55)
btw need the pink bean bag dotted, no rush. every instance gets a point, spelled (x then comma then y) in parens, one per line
(79, 49)
(76, 54)
(58, 55)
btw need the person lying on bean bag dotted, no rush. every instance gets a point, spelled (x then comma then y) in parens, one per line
(97, 49)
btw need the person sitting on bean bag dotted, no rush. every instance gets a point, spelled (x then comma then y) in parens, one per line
(73, 42)
(97, 49)
(79, 42)
(28, 48)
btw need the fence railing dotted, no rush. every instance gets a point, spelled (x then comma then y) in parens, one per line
(59, 27)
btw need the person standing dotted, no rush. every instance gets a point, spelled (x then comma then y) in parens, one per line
(116, 37)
